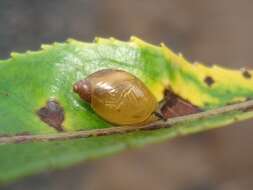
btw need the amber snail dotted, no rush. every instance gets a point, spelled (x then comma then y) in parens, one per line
(117, 96)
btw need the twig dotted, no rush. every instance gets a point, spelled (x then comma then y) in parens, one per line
(245, 106)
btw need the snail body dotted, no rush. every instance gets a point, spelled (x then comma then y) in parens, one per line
(117, 96)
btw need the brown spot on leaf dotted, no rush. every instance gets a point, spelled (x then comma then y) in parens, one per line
(246, 74)
(176, 106)
(52, 114)
(209, 81)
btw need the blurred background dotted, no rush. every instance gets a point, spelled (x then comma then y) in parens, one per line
(213, 32)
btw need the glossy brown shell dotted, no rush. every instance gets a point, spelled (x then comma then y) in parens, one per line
(117, 96)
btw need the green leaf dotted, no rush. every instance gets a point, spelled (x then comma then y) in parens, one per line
(28, 81)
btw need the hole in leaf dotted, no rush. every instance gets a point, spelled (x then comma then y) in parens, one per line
(246, 74)
(209, 81)
(52, 114)
(175, 106)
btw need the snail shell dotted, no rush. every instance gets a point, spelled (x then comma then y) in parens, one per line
(117, 96)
